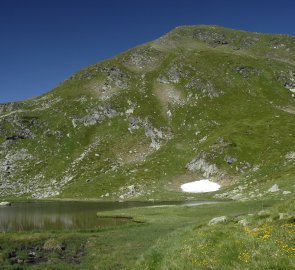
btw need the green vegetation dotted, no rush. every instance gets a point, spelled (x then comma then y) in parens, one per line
(199, 102)
(169, 238)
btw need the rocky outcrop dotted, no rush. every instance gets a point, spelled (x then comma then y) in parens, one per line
(212, 37)
(96, 116)
(290, 155)
(287, 79)
(113, 74)
(203, 88)
(199, 163)
(246, 71)
(143, 58)
(157, 136)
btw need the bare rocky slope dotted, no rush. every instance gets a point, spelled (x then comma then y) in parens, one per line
(199, 102)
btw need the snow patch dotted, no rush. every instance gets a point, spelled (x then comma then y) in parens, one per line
(200, 186)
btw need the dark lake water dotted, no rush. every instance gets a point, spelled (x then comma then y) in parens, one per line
(67, 215)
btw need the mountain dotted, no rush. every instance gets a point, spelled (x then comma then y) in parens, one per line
(199, 102)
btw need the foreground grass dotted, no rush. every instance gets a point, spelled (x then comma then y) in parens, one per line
(262, 245)
(171, 238)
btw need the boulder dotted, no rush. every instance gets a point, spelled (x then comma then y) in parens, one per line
(5, 204)
(217, 220)
(243, 222)
(200, 164)
(274, 188)
(290, 155)
(230, 160)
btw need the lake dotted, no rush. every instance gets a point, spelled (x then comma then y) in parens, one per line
(27, 216)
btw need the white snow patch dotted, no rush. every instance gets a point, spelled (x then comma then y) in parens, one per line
(203, 185)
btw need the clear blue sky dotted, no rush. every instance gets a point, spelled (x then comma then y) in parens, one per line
(42, 42)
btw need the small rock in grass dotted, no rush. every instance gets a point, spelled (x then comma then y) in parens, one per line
(244, 222)
(286, 192)
(230, 160)
(5, 204)
(274, 188)
(217, 220)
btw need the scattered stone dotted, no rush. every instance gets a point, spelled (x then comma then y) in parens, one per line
(230, 160)
(5, 203)
(290, 155)
(274, 188)
(205, 88)
(131, 189)
(286, 192)
(97, 115)
(245, 71)
(212, 37)
(173, 75)
(155, 135)
(143, 58)
(243, 222)
(217, 220)
(287, 79)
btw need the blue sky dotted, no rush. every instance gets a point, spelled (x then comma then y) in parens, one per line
(42, 42)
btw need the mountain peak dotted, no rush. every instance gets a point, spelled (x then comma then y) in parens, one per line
(200, 102)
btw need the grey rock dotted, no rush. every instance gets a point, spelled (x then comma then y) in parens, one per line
(143, 57)
(114, 75)
(274, 188)
(157, 136)
(249, 41)
(217, 220)
(245, 71)
(5, 204)
(230, 160)
(212, 37)
(131, 189)
(200, 164)
(287, 79)
(290, 155)
(96, 115)
(243, 222)
(204, 88)
(173, 75)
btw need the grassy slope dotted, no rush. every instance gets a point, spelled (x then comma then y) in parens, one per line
(248, 114)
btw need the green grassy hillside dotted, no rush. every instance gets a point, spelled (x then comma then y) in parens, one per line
(138, 125)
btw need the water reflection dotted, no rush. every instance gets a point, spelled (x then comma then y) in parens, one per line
(63, 215)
